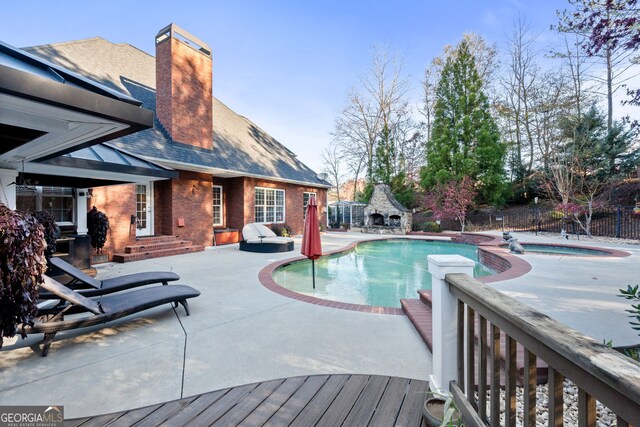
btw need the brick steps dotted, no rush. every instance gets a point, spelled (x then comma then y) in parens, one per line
(153, 246)
(420, 316)
(155, 239)
(419, 312)
(426, 297)
(156, 247)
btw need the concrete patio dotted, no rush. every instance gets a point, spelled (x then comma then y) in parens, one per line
(239, 332)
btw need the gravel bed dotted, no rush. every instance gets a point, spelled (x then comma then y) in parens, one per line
(604, 416)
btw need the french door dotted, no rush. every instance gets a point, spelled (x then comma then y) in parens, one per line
(144, 204)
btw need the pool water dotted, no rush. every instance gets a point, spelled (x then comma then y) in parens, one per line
(377, 273)
(562, 250)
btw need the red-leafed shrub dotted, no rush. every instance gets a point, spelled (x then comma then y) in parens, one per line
(22, 264)
(98, 225)
(51, 231)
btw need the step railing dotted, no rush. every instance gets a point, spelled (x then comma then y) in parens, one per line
(468, 318)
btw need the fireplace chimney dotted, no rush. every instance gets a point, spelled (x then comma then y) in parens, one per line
(184, 83)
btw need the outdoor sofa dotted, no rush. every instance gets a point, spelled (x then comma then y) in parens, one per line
(260, 238)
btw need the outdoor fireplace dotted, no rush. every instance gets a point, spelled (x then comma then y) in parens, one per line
(376, 219)
(384, 214)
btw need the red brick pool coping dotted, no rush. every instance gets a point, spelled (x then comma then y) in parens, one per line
(266, 278)
(511, 267)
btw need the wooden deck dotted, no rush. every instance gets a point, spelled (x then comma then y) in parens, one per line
(320, 400)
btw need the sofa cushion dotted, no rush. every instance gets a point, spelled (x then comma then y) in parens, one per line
(271, 240)
(264, 230)
(250, 232)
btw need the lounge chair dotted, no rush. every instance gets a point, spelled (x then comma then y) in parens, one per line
(260, 238)
(90, 287)
(109, 308)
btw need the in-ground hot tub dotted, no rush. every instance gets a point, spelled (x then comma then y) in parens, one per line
(571, 250)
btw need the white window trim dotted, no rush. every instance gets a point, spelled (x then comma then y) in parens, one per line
(304, 215)
(38, 207)
(221, 223)
(284, 205)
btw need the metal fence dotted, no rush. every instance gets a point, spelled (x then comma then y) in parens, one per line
(616, 221)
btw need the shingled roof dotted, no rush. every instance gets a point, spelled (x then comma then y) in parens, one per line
(241, 148)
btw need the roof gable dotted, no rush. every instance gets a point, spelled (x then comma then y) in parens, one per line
(240, 147)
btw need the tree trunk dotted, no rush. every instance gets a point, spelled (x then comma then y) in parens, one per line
(612, 155)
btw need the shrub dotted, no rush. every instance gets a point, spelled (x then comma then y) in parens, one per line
(51, 231)
(426, 226)
(284, 230)
(22, 264)
(98, 225)
(632, 293)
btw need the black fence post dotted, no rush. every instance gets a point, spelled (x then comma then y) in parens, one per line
(619, 222)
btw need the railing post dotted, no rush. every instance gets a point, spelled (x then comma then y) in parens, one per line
(445, 318)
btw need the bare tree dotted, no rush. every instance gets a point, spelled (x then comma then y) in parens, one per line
(377, 103)
(520, 88)
(597, 23)
(332, 162)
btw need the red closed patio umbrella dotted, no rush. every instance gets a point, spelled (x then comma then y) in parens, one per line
(311, 245)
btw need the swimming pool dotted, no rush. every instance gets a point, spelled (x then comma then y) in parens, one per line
(377, 273)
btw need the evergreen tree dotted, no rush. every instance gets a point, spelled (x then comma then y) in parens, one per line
(465, 140)
(383, 161)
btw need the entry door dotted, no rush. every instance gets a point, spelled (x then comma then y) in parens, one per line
(144, 202)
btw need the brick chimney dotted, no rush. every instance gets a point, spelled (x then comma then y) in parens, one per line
(184, 87)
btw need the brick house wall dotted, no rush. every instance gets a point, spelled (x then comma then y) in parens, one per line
(190, 198)
(294, 193)
(192, 201)
(118, 202)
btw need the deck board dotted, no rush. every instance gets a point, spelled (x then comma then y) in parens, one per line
(326, 400)
(271, 405)
(287, 413)
(365, 406)
(221, 406)
(391, 400)
(193, 409)
(341, 406)
(411, 411)
(129, 418)
(247, 405)
(165, 412)
(320, 402)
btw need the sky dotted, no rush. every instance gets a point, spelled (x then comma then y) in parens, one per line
(286, 65)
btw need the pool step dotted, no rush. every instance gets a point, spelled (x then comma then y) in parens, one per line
(420, 316)
(419, 312)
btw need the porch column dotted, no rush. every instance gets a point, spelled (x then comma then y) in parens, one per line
(444, 318)
(8, 192)
(81, 210)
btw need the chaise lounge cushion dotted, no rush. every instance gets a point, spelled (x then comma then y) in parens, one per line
(260, 238)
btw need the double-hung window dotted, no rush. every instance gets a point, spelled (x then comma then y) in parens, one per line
(58, 201)
(269, 205)
(305, 201)
(217, 206)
